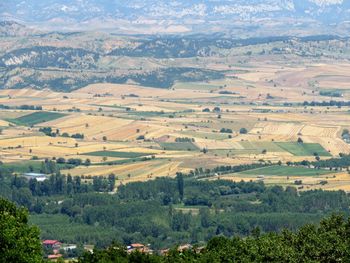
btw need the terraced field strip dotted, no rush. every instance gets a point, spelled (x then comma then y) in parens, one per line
(195, 86)
(260, 146)
(206, 135)
(117, 154)
(286, 171)
(179, 146)
(225, 152)
(36, 118)
(303, 149)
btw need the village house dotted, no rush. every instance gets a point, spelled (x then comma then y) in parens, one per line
(52, 244)
(139, 247)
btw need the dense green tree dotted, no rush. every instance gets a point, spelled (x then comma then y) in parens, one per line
(19, 242)
(180, 184)
(243, 131)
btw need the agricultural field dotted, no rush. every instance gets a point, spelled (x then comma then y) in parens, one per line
(176, 114)
(179, 146)
(36, 118)
(117, 154)
(285, 171)
(303, 149)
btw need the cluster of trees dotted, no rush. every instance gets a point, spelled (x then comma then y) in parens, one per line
(224, 169)
(49, 167)
(49, 132)
(21, 107)
(330, 103)
(33, 194)
(333, 163)
(226, 130)
(243, 131)
(185, 139)
(102, 184)
(215, 109)
(75, 136)
(73, 161)
(331, 93)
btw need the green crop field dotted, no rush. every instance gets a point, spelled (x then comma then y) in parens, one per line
(23, 167)
(297, 149)
(149, 113)
(28, 166)
(225, 152)
(259, 146)
(303, 149)
(36, 118)
(117, 154)
(206, 135)
(179, 146)
(285, 171)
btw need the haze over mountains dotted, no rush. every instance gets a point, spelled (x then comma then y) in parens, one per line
(262, 17)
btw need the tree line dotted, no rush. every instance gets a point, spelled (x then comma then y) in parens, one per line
(327, 241)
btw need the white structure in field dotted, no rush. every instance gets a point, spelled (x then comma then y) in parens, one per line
(39, 177)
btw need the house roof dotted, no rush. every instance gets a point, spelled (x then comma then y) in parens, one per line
(137, 245)
(54, 256)
(51, 242)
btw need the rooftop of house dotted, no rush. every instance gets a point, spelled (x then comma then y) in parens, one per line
(54, 256)
(51, 242)
(137, 245)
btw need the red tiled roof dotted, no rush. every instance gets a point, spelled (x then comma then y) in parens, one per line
(137, 245)
(54, 256)
(50, 242)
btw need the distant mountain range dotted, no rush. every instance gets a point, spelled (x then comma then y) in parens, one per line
(267, 17)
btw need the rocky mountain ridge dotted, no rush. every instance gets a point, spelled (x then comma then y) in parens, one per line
(160, 16)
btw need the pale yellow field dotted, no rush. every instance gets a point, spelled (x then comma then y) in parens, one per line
(313, 130)
(129, 172)
(35, 141)
(216, 144)
(91, 126)
(287, 129)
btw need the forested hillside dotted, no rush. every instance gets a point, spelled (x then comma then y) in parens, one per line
(326, 242)
(163, 212)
